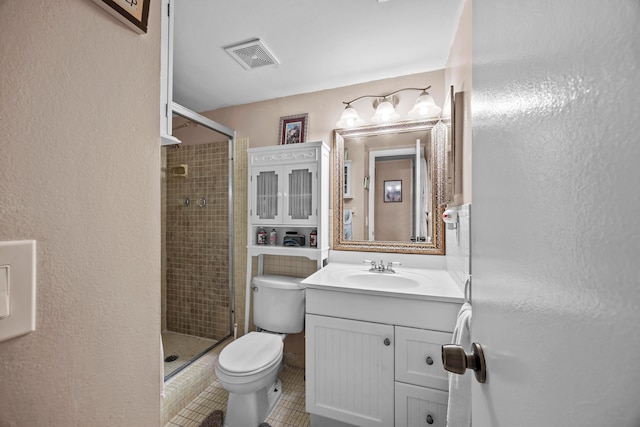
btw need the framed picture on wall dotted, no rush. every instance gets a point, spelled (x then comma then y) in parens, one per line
(293, 129)
(133, 13)
(393, 191)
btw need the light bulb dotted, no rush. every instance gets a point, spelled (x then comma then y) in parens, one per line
(425, 106)
(349, 118)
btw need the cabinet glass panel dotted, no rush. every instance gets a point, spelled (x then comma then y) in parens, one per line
(300, 193)
(267, 195)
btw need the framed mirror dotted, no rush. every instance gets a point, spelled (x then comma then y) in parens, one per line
(390, 187)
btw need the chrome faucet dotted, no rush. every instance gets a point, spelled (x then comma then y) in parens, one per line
(381, 268)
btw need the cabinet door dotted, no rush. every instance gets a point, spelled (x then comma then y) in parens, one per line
(420, 406)
(349, 370)
(301, 194)
(266, 194)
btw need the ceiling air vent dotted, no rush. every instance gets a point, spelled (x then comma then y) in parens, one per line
(252, 54)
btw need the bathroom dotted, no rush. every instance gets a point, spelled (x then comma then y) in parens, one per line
(321, 123)
(80, 175)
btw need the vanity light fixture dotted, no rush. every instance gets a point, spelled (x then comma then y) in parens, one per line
(385, 110)
(385, 105)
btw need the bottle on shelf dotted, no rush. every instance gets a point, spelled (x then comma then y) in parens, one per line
(262, 237)
(273, 237)
(313, 238)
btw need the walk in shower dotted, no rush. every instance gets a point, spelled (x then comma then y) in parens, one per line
(197, 242)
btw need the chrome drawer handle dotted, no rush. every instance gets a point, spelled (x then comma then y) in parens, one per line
(429, 419)
(429, 361)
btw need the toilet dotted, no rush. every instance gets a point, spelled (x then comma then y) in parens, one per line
(248, 367)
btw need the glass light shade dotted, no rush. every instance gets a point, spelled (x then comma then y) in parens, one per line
(425, 107)
(385, 113)
(349, 118)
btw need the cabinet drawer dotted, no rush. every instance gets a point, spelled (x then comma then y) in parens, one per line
(420, 407)
(418, 357)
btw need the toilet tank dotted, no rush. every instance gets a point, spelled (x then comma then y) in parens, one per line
(278, 303)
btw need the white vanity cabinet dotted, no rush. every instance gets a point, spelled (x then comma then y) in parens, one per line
(374, 359)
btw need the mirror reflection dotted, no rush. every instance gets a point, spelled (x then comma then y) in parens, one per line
(387, 194)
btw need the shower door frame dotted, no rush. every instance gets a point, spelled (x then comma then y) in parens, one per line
(231, 134)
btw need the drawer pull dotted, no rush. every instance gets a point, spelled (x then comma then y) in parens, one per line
(429, 361)
(387, 341)
(429, 419)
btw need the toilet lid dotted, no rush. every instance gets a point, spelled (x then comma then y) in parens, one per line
(250, 353)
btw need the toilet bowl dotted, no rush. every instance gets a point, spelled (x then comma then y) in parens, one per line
(248, 367)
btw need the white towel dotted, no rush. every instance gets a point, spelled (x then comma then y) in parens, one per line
(459, 406)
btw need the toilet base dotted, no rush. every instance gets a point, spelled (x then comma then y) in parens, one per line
(252, 409)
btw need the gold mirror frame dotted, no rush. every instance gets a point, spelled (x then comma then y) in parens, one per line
(438, 197)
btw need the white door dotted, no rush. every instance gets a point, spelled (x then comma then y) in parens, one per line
(556, 212)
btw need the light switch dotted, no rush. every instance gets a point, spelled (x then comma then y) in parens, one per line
(17, 288)
(5, 301)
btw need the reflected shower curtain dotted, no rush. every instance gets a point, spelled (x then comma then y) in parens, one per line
(300, 193)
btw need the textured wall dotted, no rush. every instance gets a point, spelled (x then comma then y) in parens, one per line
(79, 173)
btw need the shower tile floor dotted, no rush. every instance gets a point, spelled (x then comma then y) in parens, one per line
(289, 412)
(186, 347)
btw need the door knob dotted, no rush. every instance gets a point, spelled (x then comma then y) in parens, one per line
(454, 359)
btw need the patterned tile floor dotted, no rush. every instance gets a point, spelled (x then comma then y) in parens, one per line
(289, 412)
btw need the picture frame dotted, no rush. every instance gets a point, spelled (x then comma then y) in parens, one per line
(293, 129)
(393, 191)
(133, 13)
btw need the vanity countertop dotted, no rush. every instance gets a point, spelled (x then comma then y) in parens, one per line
(413, 283)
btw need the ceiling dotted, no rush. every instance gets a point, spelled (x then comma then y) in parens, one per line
(320, 44)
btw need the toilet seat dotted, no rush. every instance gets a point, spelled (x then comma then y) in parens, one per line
(251, 354)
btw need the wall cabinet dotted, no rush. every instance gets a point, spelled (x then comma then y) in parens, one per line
(366, 368)
(289, 192)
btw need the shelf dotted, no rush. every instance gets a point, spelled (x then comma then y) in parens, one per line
(311, 253)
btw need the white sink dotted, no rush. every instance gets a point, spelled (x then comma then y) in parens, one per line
(376, 280)
(434, 285)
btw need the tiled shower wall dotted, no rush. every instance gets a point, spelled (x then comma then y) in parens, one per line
(197, 241)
